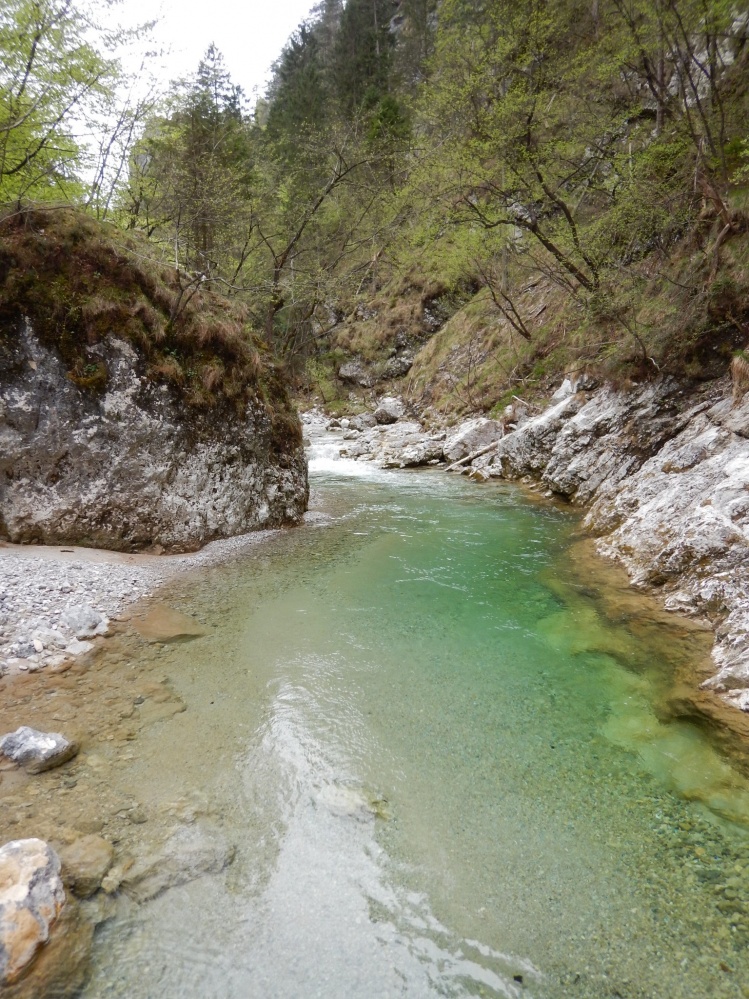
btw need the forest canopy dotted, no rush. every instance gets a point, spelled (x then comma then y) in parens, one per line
(462, 149)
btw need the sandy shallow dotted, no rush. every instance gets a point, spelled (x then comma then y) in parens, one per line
(39, 584)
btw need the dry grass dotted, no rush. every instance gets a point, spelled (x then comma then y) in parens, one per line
(678, 315)
(739, 377)
(79, 281)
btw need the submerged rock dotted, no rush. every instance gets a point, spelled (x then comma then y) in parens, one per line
(189, 853)
(37, 751)
(346, 801)
(85, 862)
(164, 624)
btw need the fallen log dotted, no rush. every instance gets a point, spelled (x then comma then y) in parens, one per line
(472, 457)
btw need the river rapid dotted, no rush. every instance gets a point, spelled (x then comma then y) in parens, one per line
(446, 756)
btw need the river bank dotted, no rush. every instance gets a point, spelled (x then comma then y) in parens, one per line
(57, 603)
(660, 471)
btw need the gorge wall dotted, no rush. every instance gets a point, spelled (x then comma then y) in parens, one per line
(131, 466)
(663, 469)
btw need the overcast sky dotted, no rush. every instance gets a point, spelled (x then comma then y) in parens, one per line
(249, 33)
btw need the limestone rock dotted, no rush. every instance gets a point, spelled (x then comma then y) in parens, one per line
(37, 751)
(131, 466)
(423, 452)
(404, 444)
(85, 862)
(76, 648)
(31, 899)
(365, 421)
(471, 436)
(189, 853)
(389, 410)
(61, 965)
(84, 621)
(397, 367)
(356, 373)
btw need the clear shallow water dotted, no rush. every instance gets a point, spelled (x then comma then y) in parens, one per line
(445, 771)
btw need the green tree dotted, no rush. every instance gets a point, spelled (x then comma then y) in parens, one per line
(191, 174)
(51, 78)
(363, 54)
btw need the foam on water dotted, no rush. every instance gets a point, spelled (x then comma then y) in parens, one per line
(324, 458)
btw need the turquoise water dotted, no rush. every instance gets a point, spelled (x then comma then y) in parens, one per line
(445, 770)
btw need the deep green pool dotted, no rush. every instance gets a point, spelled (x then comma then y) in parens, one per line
(526, 820)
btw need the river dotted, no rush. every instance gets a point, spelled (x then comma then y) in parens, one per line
(444, 760)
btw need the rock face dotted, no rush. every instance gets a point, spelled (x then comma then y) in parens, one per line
(471, 436)
(664, 471)
(31, 899)
(37, 751)
(130, 466)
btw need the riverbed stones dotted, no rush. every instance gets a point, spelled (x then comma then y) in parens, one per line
(78, 648)
(85, 863)
(37, 751)
(31, 899)
(49, 639)
(84, 621)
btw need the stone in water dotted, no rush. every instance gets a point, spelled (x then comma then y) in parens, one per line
(37, 751)
(164, 624)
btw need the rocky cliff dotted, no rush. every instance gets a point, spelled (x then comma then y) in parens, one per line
(138, 406)
(664, 471)
(130, 466)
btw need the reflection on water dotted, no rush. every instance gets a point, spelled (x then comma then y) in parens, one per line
(445, 770)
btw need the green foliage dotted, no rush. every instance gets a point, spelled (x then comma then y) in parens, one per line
(363, 53)
(191, 174)
(51, 77)
(440, 149)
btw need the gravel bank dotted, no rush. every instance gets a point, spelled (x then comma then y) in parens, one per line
(54, 602)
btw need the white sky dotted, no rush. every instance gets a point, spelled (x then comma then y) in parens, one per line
(249, 33)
